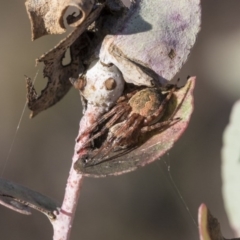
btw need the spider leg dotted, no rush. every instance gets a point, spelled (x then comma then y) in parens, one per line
(121, 104)
(119, 136)
(160, 110)
(159, 125)
(108, 125)
(117, 108)
(125, 133)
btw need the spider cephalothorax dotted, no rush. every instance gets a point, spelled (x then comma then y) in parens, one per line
(134, 114)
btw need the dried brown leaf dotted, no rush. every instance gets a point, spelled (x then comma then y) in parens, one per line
(47, 17)
(58, 75)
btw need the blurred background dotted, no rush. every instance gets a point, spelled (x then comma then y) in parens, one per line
(139, 205)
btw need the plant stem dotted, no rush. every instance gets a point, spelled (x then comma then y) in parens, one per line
(63, 223)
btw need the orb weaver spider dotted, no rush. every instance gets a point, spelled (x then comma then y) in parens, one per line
(136, 113)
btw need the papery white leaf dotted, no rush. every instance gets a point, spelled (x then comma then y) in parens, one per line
(154, 40)
(231, 168)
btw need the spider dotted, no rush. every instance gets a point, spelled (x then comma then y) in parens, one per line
(134, 114)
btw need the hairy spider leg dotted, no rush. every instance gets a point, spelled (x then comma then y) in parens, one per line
(124, 130)
(118, 110)
(127, 129)
(102, 119)
(159, 125)
(118, 140)
(115, 109)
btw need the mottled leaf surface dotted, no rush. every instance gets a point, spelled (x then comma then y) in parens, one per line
(155, 38)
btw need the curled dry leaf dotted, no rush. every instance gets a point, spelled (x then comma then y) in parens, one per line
(21, 199)
(151, 148)
(209, 227)
(58, 75)
(47, 17)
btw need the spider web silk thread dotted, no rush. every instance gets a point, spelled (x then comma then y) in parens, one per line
(178, 193)
(5, 162)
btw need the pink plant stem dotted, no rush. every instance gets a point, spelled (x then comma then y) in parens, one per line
(63, 223)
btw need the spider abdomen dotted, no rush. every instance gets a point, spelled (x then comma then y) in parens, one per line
(146, 101)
